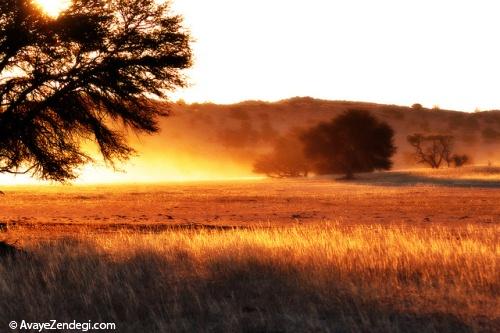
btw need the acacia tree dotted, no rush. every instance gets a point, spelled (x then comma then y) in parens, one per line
(76, 77)
(432, 149)
(353, 142)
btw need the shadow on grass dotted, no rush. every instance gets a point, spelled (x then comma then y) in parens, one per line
(171, 292)
(400, 178)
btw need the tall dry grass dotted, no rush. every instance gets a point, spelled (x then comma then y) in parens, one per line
(328, 278)
(472, 172)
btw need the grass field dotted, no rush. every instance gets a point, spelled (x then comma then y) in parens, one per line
(392, 252)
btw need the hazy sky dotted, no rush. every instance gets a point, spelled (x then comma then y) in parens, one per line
(434, 52)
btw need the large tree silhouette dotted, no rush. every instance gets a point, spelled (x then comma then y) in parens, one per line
(353, 142)
(76, 77)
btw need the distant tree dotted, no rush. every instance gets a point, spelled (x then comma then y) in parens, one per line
(286, 159)
(432, 149)
(460, 160)
(81, 76)
(353, 142)
(417, 106)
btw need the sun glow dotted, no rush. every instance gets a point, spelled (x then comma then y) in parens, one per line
(53, 7)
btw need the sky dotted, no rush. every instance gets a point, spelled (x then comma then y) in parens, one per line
(442, 53)
(435, 52)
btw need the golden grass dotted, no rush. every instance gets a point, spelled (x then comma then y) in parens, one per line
(323, 278)
(474, 172)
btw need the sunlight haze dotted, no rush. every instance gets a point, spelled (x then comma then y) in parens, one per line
(53, 7)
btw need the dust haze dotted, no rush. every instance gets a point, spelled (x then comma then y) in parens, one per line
(210, 141)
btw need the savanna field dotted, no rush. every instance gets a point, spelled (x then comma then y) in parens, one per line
(406, 251)
(247, 166)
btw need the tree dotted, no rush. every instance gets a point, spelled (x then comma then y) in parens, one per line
(432, 149)
(286, 160)
(353, 142)
(417, 106)
(88, 74)
(460, 160)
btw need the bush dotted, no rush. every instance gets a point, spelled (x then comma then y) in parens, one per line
(460, 160)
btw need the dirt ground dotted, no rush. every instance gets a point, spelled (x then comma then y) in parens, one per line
(394, 198)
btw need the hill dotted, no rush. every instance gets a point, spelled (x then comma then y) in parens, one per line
(199, 141)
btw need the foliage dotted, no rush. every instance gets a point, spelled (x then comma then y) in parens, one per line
(68, 79)
(286, 160)
(417, 106)
(353, 142)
